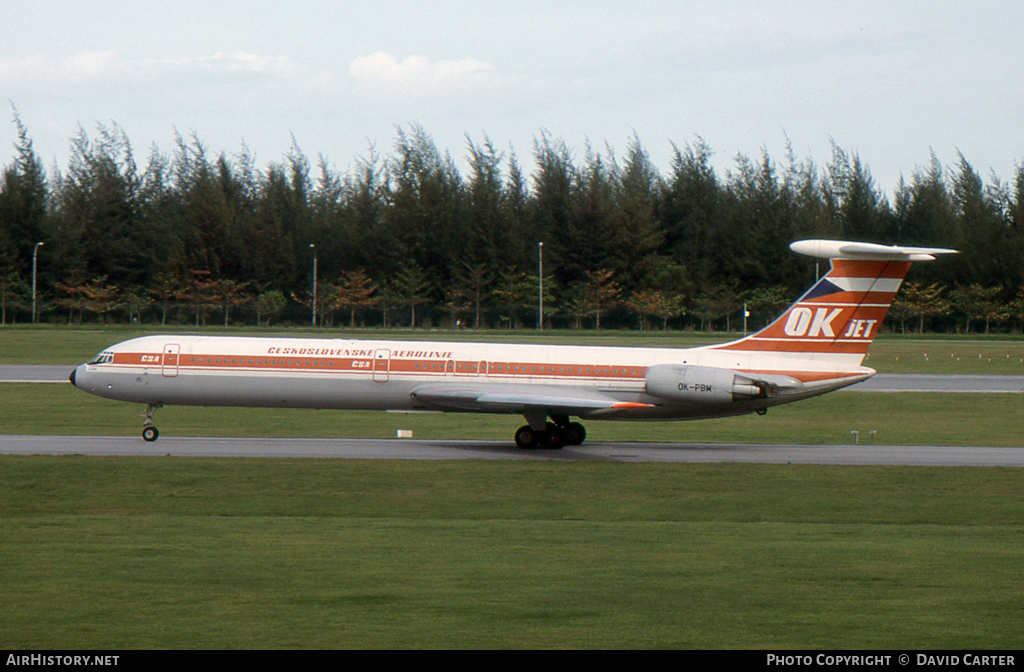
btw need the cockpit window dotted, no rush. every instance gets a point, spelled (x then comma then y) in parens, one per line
(103, 358)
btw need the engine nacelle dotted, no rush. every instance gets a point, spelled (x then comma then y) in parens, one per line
(704, 384)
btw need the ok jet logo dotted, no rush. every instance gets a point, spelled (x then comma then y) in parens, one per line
(802, 321)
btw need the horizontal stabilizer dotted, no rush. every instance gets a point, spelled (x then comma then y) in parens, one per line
(843, 249)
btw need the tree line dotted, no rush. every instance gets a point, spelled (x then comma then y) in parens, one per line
(404, 238)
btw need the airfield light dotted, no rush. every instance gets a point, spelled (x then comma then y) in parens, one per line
(313, 247)
(35, 253)
(540, 286)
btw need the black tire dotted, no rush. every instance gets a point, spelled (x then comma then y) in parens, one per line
(574, 434)
(551, 438)
(150, 434)
(526, 438)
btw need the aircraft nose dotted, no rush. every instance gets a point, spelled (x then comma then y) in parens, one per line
(72, 376)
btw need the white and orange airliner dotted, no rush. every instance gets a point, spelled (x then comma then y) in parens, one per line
(815, 346)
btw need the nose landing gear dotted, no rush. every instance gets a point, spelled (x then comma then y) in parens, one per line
(149, 431)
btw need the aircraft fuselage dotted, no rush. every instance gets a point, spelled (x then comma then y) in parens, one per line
(383, 375)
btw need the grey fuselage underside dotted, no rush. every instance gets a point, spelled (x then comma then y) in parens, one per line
(327, 391)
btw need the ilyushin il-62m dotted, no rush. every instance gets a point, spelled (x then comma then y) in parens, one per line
(815, 346)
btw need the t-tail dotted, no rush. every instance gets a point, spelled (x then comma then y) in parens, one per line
(834, 322)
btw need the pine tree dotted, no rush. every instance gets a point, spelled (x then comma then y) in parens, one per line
(691, 210)
(23, 193)
(354, 292)
(637, 233)
(412, 289)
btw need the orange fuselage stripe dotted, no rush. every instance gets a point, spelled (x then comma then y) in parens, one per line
(207, 362)
(364, 365)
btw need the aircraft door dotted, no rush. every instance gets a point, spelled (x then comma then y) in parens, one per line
(482, 368)
(169, 361)
(381, 365)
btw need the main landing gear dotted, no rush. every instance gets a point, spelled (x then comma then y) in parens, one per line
(553, 436)
(149, 431)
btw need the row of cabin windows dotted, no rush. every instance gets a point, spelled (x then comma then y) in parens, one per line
(258, 362)
(516, 368)
(511, 368)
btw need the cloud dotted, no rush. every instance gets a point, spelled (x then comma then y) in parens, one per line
(417, 75)
(99, 68)
(89, 65)
(378, 76)
(243, 64)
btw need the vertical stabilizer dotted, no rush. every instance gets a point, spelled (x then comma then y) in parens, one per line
(840, 315)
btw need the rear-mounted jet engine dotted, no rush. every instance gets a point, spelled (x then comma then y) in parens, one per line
(706, 385)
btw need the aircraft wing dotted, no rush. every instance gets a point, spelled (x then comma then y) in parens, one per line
(521, 399)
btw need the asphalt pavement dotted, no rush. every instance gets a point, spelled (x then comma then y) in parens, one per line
(409, 449)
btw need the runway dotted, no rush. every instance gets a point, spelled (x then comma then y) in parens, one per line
(882, 382)
(35, 373)
(921, 382)
(408, 449)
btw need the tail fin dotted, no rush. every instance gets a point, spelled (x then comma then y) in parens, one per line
(839, 316)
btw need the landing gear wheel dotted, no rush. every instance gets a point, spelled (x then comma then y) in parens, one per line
(526, 438)
(551, 438)
(149, 432)
(574, 434)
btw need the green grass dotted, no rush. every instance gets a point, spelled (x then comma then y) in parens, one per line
(225, 553)
(1002, 354)
(945, 356)
(121, 553)
(911, 419)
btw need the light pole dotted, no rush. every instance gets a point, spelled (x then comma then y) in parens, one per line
(35, 254)
(540, 285)
(313, 247)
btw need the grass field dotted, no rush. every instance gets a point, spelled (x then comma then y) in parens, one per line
(118, 553)
(158, 552)
(907, 419)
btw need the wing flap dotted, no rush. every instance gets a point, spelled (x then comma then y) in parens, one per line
(553, 400)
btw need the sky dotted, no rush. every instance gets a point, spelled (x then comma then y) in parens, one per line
(892, 82)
